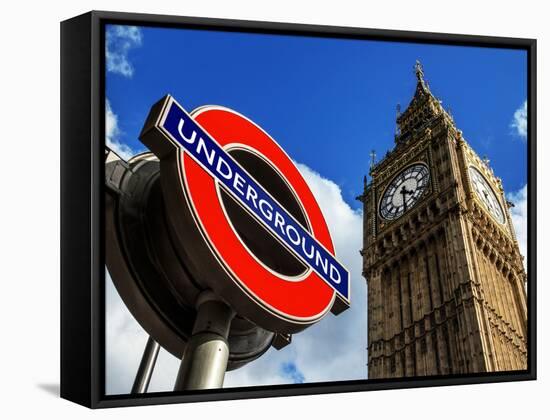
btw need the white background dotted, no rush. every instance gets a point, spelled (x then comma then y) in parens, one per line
(29, 230)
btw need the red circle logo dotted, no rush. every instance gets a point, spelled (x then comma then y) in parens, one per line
(303, 298)
(244, 219)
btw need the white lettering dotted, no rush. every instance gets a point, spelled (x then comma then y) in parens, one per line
(227, 168)
(310, 256)
(238, 183)
(289, 229)
(279, 221)
(202, 145)
(180, 130)
(333, 270)
(251, 194)
(268, 214)
(320, 261)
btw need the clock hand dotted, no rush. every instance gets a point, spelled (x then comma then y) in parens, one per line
(403, 192)
(487, 200)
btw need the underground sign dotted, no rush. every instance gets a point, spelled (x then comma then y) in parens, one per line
(247, 224)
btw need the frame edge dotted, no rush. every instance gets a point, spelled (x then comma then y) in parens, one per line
(76, 211)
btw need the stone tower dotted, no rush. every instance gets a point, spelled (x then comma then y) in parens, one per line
(446, 282)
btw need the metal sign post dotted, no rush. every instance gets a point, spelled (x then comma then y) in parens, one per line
(205, 359)
(146, 367)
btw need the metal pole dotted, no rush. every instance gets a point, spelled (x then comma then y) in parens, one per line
(205, 359)
(146, 367)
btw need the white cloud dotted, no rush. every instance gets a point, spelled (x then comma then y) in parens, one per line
(519, 121)
(332, 350)
(124, 342)
(112, 133)
(519, 217)
(120, 40)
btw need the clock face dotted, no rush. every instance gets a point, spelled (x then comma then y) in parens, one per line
(404, 191)
(486, 195)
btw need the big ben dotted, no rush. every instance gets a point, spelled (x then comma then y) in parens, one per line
(446, 281)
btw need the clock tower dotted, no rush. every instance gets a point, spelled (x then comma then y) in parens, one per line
(446, 282)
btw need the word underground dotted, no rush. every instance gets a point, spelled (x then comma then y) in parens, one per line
(208, 153)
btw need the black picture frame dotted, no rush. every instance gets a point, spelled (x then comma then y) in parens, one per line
(82, 184)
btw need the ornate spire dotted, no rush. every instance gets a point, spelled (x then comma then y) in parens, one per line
(422, 108)
(422, 85)
(419, 71)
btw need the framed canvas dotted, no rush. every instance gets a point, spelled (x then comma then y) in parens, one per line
(254, 209)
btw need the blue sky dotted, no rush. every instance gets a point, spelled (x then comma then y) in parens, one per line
(328, 103)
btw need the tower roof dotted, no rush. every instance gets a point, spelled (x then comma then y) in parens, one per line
(421, 85)
(422, 108)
